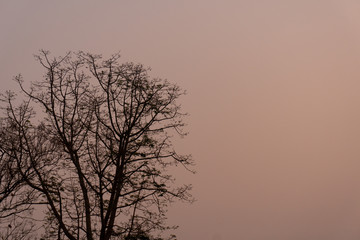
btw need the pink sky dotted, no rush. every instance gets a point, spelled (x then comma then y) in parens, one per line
(273, 95)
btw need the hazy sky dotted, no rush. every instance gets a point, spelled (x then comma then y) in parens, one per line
(273, 95)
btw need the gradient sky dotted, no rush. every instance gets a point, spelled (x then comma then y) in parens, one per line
(273, 96)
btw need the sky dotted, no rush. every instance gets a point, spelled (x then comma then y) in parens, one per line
(272, 95)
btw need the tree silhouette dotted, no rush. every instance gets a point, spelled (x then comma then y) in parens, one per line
(95, 152)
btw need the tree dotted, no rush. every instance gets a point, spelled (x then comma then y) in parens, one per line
(95, 152)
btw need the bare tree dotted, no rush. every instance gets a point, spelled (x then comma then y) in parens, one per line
(97, 154)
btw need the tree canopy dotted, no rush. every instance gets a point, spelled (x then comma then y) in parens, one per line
(91, 141)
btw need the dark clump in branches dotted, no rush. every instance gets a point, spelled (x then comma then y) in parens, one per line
(96, 155)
